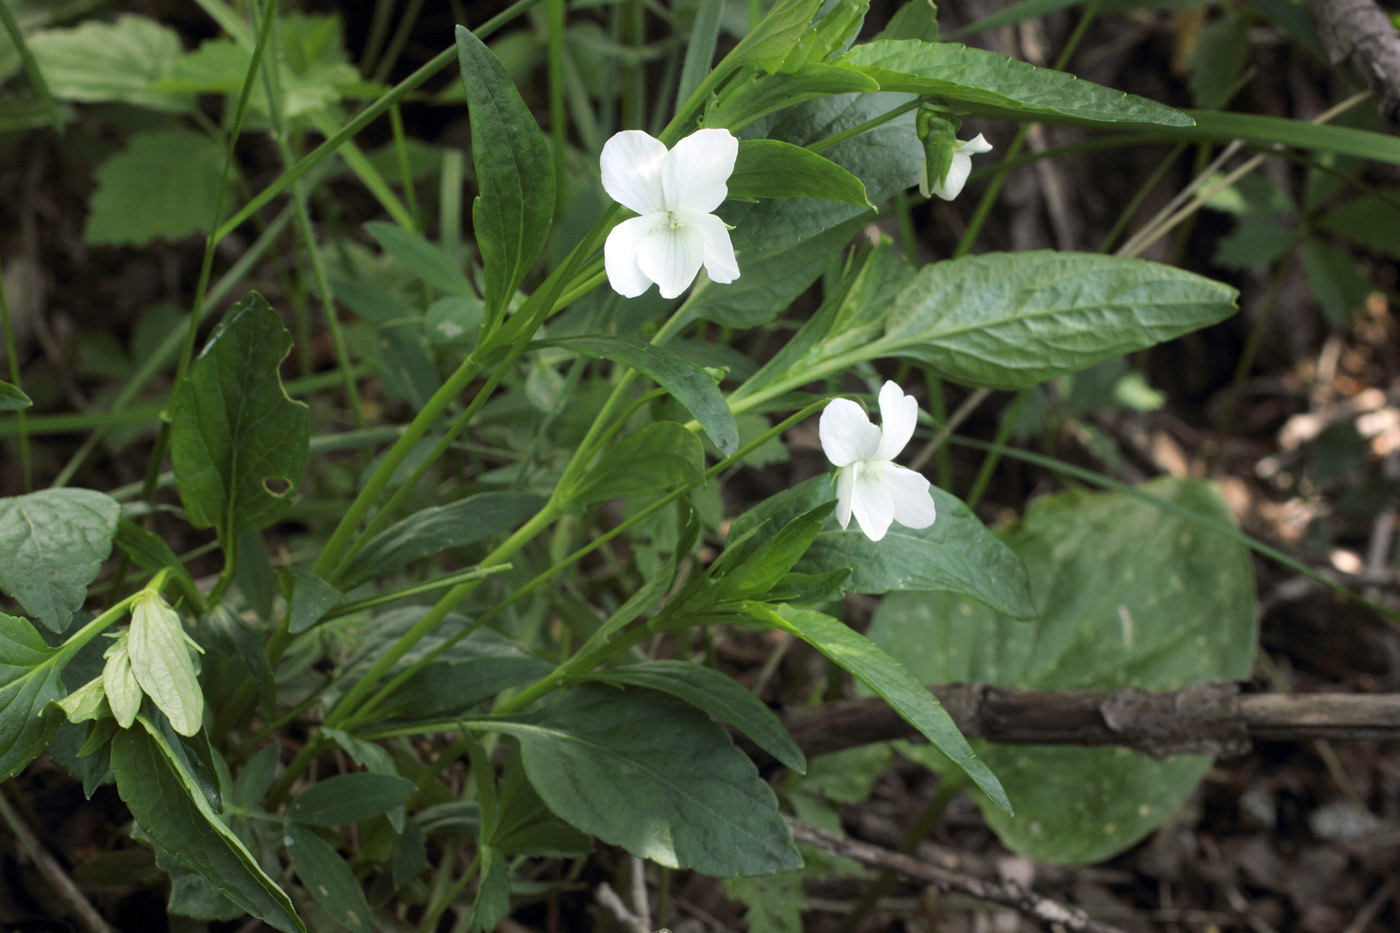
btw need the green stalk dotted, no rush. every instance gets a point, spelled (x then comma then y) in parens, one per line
(11, 354)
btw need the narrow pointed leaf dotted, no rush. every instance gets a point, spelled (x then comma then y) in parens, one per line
(332, 884)
(771, 168)
(349, 798)
(12, 398)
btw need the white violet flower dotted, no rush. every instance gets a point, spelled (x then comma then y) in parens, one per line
(674, 193)
(952, 184)
(868, 484)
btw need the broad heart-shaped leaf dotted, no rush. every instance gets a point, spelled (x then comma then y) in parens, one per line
(514, 174)
(168, 804)
(29, 682)
(872, 666)
(12, 398)
(956, 553)
(1130, 595)
(654, 775)
(52, 544)
(438, 528)
(101, 62)
(770, 168)
(687, 382)
(165, 184)
(988, 82)
(712, 692)
(331, 882)
(237, 442)
(886, 159)
(653, 459)
(349, 798)
(1012, 320)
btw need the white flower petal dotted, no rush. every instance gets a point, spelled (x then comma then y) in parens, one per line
(845, 491)
(871, 501)
(899, 414)
(720, 264)
(631, 166)
(620, 256)
(952, 184)
(908, 491)
(976, 145)
(846, 433)
(671, 256)
(694, 174)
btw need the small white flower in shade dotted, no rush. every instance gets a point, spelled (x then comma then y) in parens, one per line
(868, 485)
(952, 184)
(674, 193)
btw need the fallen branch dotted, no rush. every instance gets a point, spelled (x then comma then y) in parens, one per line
(1206, 718)
(1051, 913)
(1359, 33)
(71, 901)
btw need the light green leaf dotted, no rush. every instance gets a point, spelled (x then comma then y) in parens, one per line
(349, 798)
(98, 62)
(987, 82)
(119, 682)
(329, 880)
(770, 42)
(916, 19)
(886, 159)
(718, 695)
(830, 34)
(514, 173)
(688, 383)
(654, 459)
(237, 442)
(168, 804)
(161, 663)
(87, 703)
(956, 553)
(1009, 321)
(12, 398)
(654, 775)
(440, 528)
(166, 183)
(770, 168)
(29, 682)
(52, 544)
(761, 95)
(872, 666)
(1130, 595)
(428, 261)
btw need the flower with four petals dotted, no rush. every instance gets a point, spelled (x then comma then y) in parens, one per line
(868, 484)
(674, 193)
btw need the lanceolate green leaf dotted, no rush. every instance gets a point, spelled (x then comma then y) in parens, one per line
(654, 775)
(872, 666)
(52, 544)
(331, 882)
(168, 804)
(987, 81)
(237, 442)
(770, 42)
(1010, 321)
(12, 398)
(349, 798)
(771, 168)
(654, 459)
(29, 682)
(514, 174)
(690, 384)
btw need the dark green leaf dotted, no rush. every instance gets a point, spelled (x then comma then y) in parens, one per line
(226, 635)
(688, 383)
(475, 669)
(656, 776)
(29, 681)
(770, 168)
(872, 666)
(956, 553)
(986, 81)
(1336, 283)
(832, 33)
(349, 798)
(718, 695)
(12, 398)
(440, 528)
(515, 176)
(428, 261)
(761, 95)
(329, 880)
(1009, 321)
(169, 806)
(1130, 595)
(492, 901)
(654, 459)
(237, 442)
(312, 598)
(52, 544)
(1371, 223)
(149, 552)
(165, 184)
